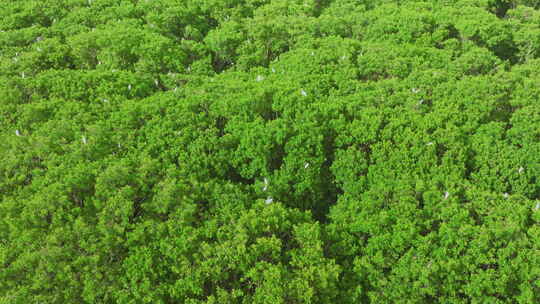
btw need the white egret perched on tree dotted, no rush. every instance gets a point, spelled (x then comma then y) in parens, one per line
(265, 184)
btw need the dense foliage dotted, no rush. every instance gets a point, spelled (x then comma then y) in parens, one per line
(269, 151)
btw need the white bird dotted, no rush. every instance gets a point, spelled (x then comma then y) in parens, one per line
(17, 133)
(421, 101)
(537, 207)
(129, 87)
(303, 93)
(84, 139)
(306, 165)
(22, 75)
(260, 78)
(506, 195)
(156, 82)
(446, 194)
(415, 90)
(99, 62)
(520, 170)
(429, 143)
(265, 184)
(269, 200)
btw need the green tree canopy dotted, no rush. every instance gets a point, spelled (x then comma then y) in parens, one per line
(269, 151)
